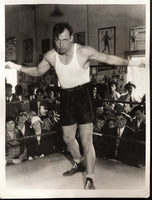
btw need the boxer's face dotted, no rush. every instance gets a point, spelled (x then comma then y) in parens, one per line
(63, 42)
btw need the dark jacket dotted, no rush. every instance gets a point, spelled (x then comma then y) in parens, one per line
(13, 107)
(122, 148)
(45, 147)
(140, 130)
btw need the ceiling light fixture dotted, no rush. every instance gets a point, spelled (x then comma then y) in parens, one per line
(56, 12)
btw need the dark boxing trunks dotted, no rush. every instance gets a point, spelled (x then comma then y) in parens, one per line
(77, 105)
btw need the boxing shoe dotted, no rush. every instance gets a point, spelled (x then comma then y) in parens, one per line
(89, 185)
(77, 167)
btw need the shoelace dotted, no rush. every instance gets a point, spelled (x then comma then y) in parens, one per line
(88, 183)
(75, 165)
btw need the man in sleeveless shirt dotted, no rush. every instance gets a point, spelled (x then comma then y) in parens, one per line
(71, 63)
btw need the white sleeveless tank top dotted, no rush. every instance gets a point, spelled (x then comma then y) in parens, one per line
(71, 75)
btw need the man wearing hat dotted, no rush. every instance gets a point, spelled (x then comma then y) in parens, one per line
(125, 139)
(12, 102)
(139, 125)
(139, 121)
(129, 96)
(122, 144)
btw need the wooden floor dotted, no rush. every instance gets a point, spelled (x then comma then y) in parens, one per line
(46, 174)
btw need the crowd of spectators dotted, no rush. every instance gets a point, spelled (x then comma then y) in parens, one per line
(36, 127)
(120, 113)
(34, 130)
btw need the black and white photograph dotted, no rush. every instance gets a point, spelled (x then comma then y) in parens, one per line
(79, 38)
(11, 49)
(107, 40)
(75, 99)
(27, 51)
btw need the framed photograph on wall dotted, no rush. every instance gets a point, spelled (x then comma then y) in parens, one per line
(107, 40)
(27, 51)
(137, 38)
(11, 49)
(79, 38)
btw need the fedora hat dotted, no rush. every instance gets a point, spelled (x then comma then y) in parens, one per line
(130, 84)
(127, 116)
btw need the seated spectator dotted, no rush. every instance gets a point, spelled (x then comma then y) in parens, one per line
(18, 92)
(22, 124)
(31, 95)
(102, 89)
(12, 102)
(99, 124)
(40, 94)
(35, 104)
(99, 110)
(99, 128)
(139, 121)
(15, 148)
(53, 98)
(108, 114)
(50, 94)
(125, 150)
(129, 96)
(9, 95)
(42, 144)
(31, 114)
(111, 123)
(48, 125)
(115, 143)
(96, 96)
(139, 125)
(112, 94)
(119, 107)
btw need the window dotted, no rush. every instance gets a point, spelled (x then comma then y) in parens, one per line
(138, 76)
(11, 77)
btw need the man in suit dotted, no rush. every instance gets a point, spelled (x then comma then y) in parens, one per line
(125, 143)
(139, 125)
(118, 142)
(139, 121)
(12, 102)
(9, 95)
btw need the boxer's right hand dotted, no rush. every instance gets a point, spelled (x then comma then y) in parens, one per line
(11, 65)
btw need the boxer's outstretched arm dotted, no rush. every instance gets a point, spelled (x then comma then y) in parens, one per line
(93, 54)
(42, 67)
